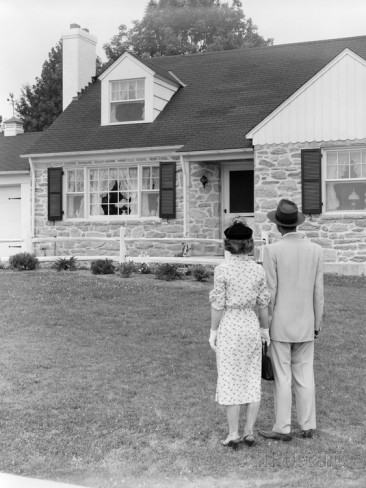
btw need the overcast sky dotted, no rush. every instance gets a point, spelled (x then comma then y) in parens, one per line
(30, 28)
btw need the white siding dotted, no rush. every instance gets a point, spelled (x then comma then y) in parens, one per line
(163, 92)
(330, 107)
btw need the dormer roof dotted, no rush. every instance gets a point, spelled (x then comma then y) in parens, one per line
(225, 95)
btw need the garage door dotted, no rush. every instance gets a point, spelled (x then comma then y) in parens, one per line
(10, 219)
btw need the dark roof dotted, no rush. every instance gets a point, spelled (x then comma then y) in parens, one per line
(227, 93)
(11, 147)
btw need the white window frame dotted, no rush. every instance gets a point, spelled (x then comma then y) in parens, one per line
(103, 218)
(325, 179)
(113, 82)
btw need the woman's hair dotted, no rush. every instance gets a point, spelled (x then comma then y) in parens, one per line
(239, 246)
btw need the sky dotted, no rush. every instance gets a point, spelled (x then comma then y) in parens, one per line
(30, 28)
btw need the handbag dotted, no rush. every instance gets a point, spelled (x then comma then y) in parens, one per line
(267, 369)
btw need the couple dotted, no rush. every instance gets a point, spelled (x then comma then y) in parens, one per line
(288, 294)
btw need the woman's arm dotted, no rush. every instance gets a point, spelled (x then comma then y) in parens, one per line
(215, 318)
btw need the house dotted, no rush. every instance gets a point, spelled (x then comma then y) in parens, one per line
(15, 232)
(178, 146)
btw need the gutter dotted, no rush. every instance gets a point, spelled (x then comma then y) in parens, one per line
(33, 199)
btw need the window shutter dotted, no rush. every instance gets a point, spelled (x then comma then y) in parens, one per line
(55, 193)
(311, 181)
(167, 190)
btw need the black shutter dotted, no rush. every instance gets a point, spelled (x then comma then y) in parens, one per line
(311, 181)
(55, 193)
(167, 190)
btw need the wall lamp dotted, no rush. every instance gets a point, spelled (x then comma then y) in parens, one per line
(204, 180)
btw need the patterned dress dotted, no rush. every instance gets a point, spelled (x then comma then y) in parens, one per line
(239, 286)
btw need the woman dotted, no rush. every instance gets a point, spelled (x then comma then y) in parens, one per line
(239, 288)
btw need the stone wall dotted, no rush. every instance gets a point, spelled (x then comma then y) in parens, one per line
(203, 219)
(278, 175)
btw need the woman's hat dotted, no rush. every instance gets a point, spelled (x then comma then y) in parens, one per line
(238, 231)
(287, 214)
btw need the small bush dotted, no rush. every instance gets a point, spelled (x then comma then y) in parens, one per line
(66, 264)
(23, 261)
(145, 269)
(200, 273)
(126, 269)
(102, 266)
(167, 272)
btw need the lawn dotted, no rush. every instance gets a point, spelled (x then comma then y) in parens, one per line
(110, 382)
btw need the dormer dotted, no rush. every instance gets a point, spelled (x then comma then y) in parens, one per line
(134, 91)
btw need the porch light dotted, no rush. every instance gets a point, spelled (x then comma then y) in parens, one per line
(204, 180)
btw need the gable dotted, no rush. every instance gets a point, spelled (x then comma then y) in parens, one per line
(158, 89)
(331, 106)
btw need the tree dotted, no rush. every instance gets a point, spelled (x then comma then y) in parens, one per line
(41, 103)
(171, 27)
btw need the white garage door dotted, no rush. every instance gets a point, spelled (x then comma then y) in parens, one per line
(10, 220)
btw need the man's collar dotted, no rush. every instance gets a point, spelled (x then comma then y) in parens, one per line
(291, 235)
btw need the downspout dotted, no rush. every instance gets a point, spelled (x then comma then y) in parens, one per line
(185, 202)
(33, 201)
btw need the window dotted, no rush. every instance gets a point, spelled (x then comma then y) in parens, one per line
(104, 192)
(127, 100)
(345, 180)
(75, 193)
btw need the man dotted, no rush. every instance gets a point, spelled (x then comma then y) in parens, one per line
(294, 275)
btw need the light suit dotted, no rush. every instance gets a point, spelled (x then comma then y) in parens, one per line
(294, 275)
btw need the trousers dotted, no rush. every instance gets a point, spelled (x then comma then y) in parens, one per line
(293, 365)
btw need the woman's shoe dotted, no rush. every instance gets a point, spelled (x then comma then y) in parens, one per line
(248, 440)
(234, 443)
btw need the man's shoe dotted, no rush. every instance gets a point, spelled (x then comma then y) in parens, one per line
(277, 436)
(307, 434)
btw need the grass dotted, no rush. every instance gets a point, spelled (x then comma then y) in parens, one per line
(109, 382)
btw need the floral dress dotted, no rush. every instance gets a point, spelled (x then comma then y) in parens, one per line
(239, 286)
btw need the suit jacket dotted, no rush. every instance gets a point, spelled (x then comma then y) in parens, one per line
(294, 274)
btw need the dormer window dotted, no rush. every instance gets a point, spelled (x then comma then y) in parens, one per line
(127, 100)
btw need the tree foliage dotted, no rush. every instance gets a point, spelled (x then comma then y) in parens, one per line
(41, 103)
(171, 27)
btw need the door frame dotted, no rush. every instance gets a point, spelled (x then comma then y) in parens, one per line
(225, 194)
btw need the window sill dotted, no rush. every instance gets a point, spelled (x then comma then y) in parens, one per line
(120, 218)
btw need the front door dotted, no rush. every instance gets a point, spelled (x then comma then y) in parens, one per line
(238, 192)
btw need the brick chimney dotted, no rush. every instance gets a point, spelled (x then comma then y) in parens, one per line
(12, 127)
(78, 61)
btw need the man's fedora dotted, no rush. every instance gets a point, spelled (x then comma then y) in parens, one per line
(287, 214)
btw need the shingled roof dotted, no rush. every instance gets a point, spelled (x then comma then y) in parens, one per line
(12, 147)
(227, 93)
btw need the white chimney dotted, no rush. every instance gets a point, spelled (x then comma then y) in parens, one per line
(13, 126)
(78, 61)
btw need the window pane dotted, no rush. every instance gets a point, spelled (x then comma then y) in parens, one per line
(346, 196)
(149, 204)
(343, 164)
(75, 206)
(332, 165)
(146, 178)
(355, 165)
(155, 178)
(127, 111)
(70, 181)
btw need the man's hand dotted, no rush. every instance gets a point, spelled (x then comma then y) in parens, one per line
(265, 335)
(212, 339)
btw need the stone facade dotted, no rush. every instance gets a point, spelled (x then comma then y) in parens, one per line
(278, 175)
(203, 218)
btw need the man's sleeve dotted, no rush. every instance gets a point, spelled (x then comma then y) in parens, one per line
(270, 268)
(319, 293)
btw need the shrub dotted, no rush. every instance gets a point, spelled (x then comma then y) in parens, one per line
(66, 264)
(200, 273)
(126, 269)
(167, 272)
(145, 269)
(102, 266)
(23, 261)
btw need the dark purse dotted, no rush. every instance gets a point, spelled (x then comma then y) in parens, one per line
(267, 369)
